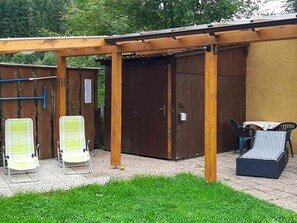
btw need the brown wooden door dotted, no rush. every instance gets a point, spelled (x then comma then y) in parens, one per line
(149, 128)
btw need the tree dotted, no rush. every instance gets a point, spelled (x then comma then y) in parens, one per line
(291, 5)
(94, 17)
(31, 18)
(14, 18)
(27, 18)
(48, 16)
(97, 17)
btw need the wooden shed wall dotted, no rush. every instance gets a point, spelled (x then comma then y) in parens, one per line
(44, 119)
(187, 96)
(139, 78)
(190, 99)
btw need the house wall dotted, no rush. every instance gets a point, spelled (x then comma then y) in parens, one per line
(272, 82)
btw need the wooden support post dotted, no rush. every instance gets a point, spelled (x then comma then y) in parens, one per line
(116, 109)
(60, 91)
(210, 119)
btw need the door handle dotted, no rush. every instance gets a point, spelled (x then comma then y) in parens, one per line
(163, 109)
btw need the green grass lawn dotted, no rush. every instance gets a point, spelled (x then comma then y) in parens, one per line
(184, 198)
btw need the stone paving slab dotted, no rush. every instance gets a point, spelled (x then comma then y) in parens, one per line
(281, 192)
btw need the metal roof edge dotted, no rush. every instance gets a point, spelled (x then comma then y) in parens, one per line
(47, 66)
(204, 29)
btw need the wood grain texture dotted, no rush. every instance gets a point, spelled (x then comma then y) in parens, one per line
(9, 108)
(49, 44)
(74, 91)
(231, 99)
(169, 110)
(210, 120)
(45, 118)
(61, 100)
(116, 109)
(28, 108)
(87, 109)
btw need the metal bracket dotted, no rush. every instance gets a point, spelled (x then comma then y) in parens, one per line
(215, 47)
(208, 48)
(61, 82)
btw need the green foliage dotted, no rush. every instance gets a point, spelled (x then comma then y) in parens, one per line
(82, 61)
(184, 198)
(47, 32)
(27, 18)
(20, 58)
(291, 5)
(15, 18)
(246, 8)
(106, 17)
(48, 15)
(94, 17)
(49, 59)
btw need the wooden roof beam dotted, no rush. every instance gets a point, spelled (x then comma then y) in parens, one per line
(235, 37)
(269, 34)
(48, 44)
(224, 38)
(88, 51)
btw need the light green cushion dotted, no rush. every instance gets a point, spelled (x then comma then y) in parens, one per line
(19, 144)
(72, 139)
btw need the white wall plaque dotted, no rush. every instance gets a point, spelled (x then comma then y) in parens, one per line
(88, 91)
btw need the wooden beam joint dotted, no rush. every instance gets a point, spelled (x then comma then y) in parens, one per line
(61, 81)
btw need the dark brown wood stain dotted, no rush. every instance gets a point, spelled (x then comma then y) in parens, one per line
(44, 119)
(87, 110)
(143, 79)
(45, 116)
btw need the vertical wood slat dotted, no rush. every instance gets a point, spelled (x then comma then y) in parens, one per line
(61, 100)
(96, 88)
(97, 123)
(45, 116)
(9, 108)
(73, 92)
(28, 109)
(87, 109)
(116, 109)
(169, 108)
(210, 119)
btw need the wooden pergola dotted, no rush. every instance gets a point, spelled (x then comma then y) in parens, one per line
(207, 36)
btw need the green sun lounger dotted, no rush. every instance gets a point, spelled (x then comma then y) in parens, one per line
(19, 155)
(72, 148)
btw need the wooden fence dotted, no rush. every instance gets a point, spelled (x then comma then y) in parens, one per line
(44, 119)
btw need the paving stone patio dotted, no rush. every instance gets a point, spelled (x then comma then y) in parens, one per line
(281, 192)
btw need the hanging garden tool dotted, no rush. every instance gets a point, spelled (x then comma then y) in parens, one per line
(27, 79)
(43, 98)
